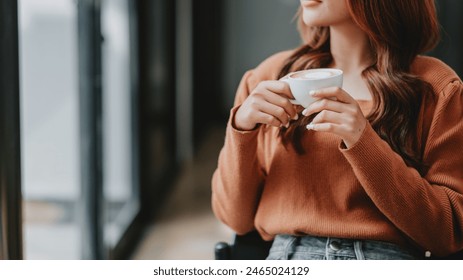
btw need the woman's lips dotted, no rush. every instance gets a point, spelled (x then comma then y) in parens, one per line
(311, 3)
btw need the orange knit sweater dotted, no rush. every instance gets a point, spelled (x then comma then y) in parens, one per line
(364, 192)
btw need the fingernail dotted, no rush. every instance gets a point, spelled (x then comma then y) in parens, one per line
(312, 92)
(287, 125)
(296, 117)
(304, 112)
(310, 126)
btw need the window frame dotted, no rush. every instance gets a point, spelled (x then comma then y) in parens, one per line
(11, 244)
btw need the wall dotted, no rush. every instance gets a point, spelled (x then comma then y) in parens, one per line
(253, 30)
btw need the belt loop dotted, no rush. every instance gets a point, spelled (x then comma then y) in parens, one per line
(290, 243)
(327, 246)
(358, 250)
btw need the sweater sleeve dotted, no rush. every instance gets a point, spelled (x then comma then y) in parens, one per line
(237, 182)
(429, 209)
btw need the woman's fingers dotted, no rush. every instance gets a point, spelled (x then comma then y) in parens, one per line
(268, 104)
(338, 113)
(278, 93)
(324, 104)
(325, 127)
(275, 112)
(333, 93)
(329, 117)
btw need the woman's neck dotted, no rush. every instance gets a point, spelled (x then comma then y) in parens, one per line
(351, 53)
(350, 48)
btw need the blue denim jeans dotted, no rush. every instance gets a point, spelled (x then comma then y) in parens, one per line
(288, 247)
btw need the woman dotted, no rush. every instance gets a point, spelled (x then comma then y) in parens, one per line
(371, 170)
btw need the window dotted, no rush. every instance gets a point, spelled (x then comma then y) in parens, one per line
(119, 126)
(78, 126)
(50, 128)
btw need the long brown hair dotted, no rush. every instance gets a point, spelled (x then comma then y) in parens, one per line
(398, 31)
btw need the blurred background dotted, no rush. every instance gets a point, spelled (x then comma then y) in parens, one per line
(113, 113)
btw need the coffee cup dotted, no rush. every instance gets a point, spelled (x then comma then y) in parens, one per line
(303, 82)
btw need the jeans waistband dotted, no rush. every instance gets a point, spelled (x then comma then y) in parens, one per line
(312, 247)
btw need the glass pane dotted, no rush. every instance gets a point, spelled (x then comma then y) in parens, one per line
(119, 191)
(49, 128)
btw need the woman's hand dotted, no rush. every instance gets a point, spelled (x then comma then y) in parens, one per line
(267, 104)
(338, 113)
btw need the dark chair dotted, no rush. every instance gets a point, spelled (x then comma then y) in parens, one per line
(244, 247)
(456, 256)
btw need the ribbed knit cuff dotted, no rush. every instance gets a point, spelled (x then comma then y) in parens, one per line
(367, 152)
(240, 137)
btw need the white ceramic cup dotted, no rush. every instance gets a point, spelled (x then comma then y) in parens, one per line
(304, 81)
